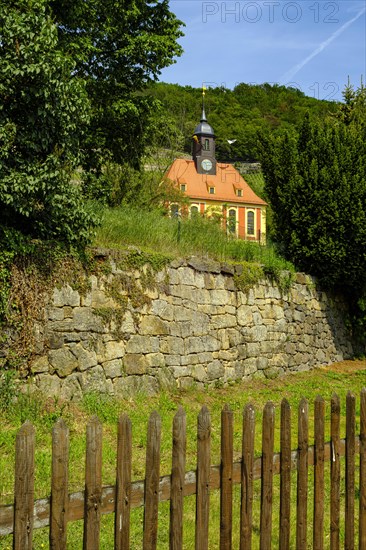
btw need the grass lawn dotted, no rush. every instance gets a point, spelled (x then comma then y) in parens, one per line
(338, 378)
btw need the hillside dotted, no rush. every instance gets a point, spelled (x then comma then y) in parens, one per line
(237, 114)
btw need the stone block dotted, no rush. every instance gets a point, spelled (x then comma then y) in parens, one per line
(55, 340)
(113, 369)
(153, 326)
(249, 366)
(65, 296)
(228, 355)
(172, 345)
(86, 321)
(182, 314)
(135, 363)
(245, 316)
(63, 361)
(142, 344)
(223, 321)
(113, 350)
(94, 380)
(163, 309)
(71, 389)
(215, 370)
(155, 360)
(55, 314)
(262, 363)
(220, 297)
(198, 372)
(86, 358)
(48, 384)
(40, 365)
(204, 264)
(186, 276)
(172, 360)
(180, 371)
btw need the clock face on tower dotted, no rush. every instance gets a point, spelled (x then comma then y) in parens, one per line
(206, 165)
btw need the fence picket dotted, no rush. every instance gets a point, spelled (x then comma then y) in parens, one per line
(226, 474)
(123, 484)
(362, 511)
(247, 476)
(61, 508)
(318, 520)
(93, 484)
(335, 473)
(349, 535)
(177, 480)
(203, 478)
(59, 486)
(302, 475)
(285, 481)
(24, 488)
(152, 474)
(267, 476)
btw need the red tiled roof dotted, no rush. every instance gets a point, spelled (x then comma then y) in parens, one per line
(226, 181)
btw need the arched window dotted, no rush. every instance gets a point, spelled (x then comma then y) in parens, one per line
(250, 223)
(206, 145)
(194, 210)
(231, 222)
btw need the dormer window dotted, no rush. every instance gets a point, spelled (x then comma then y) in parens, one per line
(183, 187)
(239, 192)
(211, 190)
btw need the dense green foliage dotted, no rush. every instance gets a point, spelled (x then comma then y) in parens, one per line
(316, 183)
(238, 114)
(118, 47)
(71, 74)
(43, 113)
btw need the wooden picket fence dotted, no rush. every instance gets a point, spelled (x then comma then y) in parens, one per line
(60, 508)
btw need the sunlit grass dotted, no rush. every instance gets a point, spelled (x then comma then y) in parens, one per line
(322, 381)
(179, 237)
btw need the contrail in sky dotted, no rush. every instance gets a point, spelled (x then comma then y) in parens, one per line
(294, 70)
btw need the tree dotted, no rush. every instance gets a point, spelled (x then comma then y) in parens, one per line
(119, 46)
(44, 111)
(316, 183)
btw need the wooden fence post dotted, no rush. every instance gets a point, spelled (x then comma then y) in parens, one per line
(267, 476)
(93, 484)
(177, 480)
(246, 504)
(362, 513)
(152, 473)
(285, 472)
(318, 520)
(335, 473)
(123, 484)
(59, 486)
(24, 488)
(226, 479)
(203, 479)
(349, 536)
(302, 475)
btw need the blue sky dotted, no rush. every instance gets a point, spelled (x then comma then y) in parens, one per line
(312, 45)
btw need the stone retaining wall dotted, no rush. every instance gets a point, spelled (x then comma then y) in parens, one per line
(186, 324)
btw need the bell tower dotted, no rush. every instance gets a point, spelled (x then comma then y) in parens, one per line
(204, 145)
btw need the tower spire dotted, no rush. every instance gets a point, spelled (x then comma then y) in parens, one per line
(203, 116)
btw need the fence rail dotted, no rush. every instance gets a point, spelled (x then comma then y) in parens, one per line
(61, 508)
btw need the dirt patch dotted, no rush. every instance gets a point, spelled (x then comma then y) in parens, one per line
(347, 367)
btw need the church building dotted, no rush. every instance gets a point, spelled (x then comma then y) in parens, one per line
(217, 189)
